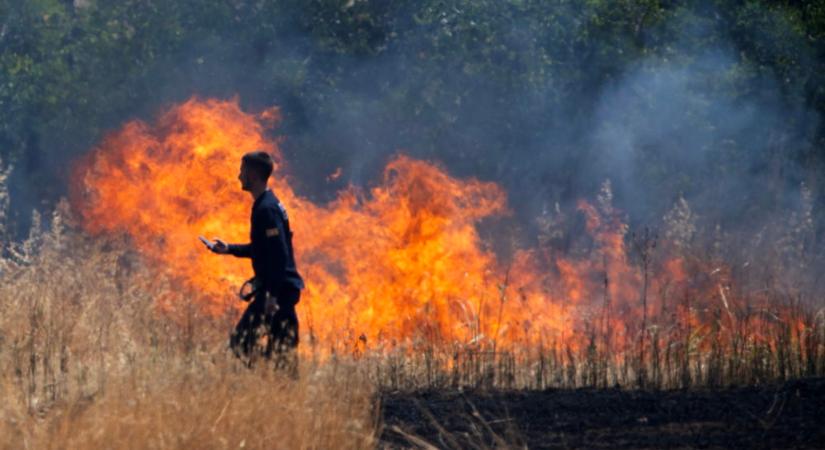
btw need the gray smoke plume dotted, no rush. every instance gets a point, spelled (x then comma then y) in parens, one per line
(542, 104)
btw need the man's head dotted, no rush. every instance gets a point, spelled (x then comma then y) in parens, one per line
(256, 167)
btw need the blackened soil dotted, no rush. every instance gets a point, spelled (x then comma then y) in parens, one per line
(788, 415)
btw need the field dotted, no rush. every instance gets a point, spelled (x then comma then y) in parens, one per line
(91, 358)
(89, 361)
(521, 224)
(783, 415)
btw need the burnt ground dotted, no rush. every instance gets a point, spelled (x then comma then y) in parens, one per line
(788, 415)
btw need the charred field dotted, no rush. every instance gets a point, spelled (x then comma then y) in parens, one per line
(778, 415)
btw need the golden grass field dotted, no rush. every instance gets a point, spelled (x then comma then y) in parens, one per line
(88, 361)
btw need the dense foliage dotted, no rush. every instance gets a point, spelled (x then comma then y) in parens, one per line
(512, 91)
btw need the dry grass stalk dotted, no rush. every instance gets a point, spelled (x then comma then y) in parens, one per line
(87, 360)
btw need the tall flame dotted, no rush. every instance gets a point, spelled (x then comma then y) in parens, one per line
(394, 265)
(399, 264)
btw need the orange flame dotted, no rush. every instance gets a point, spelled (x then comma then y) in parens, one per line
(400, 264)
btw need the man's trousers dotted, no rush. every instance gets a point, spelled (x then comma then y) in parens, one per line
(280, 326)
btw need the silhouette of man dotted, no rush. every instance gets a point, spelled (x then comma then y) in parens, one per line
(277, 284)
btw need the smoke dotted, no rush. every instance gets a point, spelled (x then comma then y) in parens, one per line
(664, 131)
(692, 119)
(546, 106)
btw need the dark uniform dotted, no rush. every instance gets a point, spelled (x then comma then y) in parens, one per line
(273, 261)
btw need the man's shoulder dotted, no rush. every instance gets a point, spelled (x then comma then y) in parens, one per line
(267, 200)
(269, 203)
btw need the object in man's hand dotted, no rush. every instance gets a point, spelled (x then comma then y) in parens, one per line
(209, 244)
(248, 289)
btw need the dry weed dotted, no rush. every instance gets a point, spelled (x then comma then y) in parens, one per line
(89, 360)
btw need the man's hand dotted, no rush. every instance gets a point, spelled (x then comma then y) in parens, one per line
(219, 247)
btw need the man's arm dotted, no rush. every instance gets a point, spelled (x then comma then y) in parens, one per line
(239, 250)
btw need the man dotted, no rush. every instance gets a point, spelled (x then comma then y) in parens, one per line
(277, 284)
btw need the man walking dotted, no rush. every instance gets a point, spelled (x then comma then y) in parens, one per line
(277, 284)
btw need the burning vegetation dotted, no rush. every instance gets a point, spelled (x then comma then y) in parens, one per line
(401, 267)
(605, 227)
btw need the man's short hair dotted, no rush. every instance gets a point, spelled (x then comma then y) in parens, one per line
(260, 162)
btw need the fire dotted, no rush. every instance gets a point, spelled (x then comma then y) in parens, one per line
(400, 264)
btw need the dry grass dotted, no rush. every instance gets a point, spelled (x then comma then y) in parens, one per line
(88, 361)
(204, 408)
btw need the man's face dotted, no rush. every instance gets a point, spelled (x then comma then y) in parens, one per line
(245, 178)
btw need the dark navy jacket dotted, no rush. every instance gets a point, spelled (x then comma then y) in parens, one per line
(270, 245)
